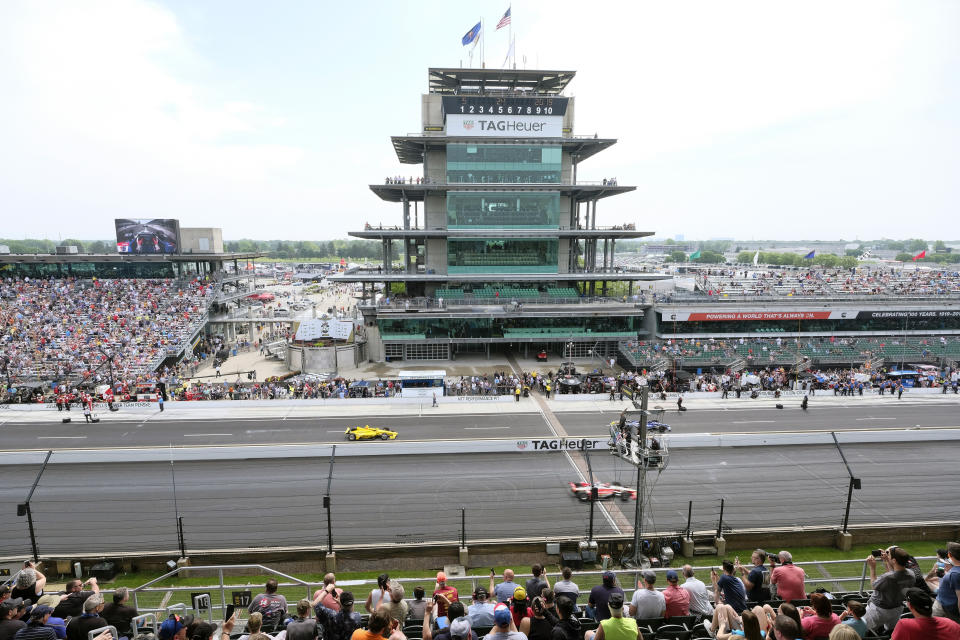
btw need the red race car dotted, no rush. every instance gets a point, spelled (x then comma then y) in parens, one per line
(605, 491)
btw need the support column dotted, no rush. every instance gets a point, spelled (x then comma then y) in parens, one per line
(384, 250)
(613, 245)
(406, 240)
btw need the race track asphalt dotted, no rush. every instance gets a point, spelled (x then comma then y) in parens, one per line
(413, 499)
(149, 431)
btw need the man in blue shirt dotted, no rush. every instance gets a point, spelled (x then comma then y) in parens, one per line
(949, 590)
(729, 587)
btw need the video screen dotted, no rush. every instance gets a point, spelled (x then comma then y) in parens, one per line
(148, 235)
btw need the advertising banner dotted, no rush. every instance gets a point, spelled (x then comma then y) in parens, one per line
(147, 235)
(504, 126)
(721, 316)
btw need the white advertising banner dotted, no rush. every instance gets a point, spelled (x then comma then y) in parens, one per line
(504, 126)
(324, 328)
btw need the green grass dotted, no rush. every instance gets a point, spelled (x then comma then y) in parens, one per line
(254, 581)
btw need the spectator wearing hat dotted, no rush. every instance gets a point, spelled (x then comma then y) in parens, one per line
(443, 589)
(788, 578)
(36, 628)
(11, 610)
(729, 588)
(948, 591)
(460, 629)
(616, 627)
(503, 628)
(337, 625)
(503, 591)
(923, 626)
(80, 626)
(174, 627)
(699, 596)
(538, 582)
(302, 627)
(600, 596)
(647, 601)
(29, 583)
(886, 603)
(71, 604)
(119, 614)
(481, 611)
(270, 604)
(519, 606)
(676, 600)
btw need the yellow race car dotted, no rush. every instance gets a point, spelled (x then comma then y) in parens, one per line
(367, 432)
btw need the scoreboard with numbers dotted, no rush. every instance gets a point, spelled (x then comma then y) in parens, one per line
(504, 106)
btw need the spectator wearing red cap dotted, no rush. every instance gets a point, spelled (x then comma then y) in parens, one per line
(445, 590)
(677, 599)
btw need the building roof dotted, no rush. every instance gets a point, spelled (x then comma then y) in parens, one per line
(459, 81)
(410, 149)
(580, 192)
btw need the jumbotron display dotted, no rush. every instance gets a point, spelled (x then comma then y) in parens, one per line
(148, 235)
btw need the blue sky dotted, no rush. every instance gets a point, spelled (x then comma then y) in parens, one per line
(812, 120)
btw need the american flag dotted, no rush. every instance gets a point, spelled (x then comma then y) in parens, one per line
(504, 21)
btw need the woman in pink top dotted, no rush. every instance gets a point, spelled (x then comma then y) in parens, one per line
(818, 619)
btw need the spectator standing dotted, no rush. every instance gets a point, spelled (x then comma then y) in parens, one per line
(72, 603)
(448, 592)
(923, 626)
(647, 601)
(677, 600)
(538, 582)
(270, 604)
(788, 578)
(600, 596)
(503, 591)
(729, 588)
(119, 614)
(326, 595)
(566, 587)
(337, 625)
(380, 595)
(699, 596)
(886, 603)
(30, 583)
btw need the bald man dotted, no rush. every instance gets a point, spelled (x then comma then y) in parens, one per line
(503, 591)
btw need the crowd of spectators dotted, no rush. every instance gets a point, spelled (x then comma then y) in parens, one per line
(771, 597)
(862, 280)
(58, 329)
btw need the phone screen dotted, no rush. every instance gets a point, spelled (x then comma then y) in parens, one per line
(229, 612)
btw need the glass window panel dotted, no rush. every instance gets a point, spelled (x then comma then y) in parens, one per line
(499, 210)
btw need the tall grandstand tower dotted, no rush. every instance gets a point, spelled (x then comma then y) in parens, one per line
(499, 242)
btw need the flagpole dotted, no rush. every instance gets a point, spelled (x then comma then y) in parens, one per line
(483, 36)
(510, 38)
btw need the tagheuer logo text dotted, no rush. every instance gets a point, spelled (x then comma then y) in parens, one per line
(503, 125)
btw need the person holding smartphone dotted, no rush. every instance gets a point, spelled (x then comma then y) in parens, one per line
(886, 603)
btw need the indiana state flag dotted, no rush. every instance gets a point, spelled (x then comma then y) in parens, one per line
(471, 35)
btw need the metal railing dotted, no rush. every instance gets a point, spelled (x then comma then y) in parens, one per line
(833, 575)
